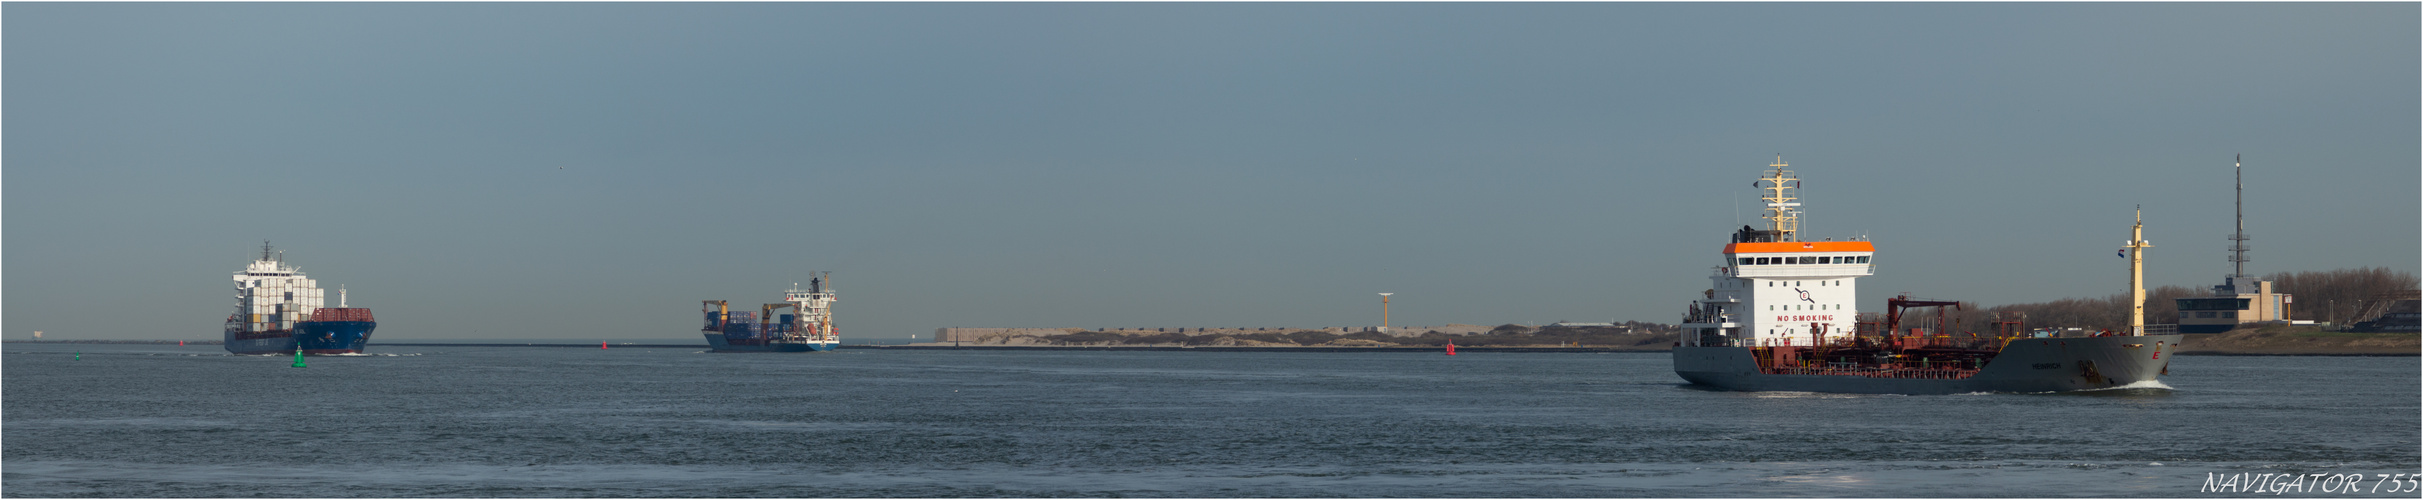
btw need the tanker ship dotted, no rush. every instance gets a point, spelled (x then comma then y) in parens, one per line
(808, 327)
(1779, 316)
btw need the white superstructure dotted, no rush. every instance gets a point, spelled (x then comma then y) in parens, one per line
(1772, 289)
(815, 310)
(271, 295)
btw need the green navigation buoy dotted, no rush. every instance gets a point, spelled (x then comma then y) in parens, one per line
(79, 355)
(298, 357)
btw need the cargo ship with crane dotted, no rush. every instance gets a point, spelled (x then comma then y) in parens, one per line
(278, 311)
(1780, 316)
(808, 327)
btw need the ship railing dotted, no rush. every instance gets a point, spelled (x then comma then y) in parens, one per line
(1872, 372)
(1708, 319)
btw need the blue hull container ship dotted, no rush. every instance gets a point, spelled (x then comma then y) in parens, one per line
(809, 326)
(335, 330)
(278, 312)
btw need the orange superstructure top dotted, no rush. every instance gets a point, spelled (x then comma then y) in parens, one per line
(1800, 246)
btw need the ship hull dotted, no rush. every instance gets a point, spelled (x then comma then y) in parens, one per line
(2025, 365)
(719, 343)
(278, 344)
(333, 337)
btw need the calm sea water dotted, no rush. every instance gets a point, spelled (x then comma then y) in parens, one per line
(166, 421)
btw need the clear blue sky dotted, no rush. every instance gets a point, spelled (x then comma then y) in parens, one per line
(588, 171)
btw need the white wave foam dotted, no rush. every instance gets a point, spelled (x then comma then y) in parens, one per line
(2141, 384)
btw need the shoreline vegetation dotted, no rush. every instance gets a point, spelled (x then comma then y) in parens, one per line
(2301, 340)
(2336, 296)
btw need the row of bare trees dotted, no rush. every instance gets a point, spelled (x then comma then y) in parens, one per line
(2334, 296)
(2337, 296)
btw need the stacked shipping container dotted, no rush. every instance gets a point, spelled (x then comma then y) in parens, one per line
(273, 296)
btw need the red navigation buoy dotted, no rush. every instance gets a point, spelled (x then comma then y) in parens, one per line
(180, 343)
(601, 345)
(1451, 347)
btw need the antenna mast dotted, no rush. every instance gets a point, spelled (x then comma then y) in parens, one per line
(1783, 210)
(2238, 240)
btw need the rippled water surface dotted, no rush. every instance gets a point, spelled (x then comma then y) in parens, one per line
(167, 421)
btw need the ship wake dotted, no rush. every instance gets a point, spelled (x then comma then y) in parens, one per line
(2138, 385)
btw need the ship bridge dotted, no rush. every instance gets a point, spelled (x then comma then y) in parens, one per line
(1799, 259)
(1773, 289)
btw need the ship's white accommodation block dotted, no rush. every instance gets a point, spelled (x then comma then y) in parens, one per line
(814, 312)
(1782, 293)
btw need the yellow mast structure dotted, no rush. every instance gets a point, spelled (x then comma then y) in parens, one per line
(1783, 211)
(1384, 311)
(2136, 249)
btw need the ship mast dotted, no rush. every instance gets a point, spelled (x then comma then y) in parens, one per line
(2136, 249)
(1783, 211)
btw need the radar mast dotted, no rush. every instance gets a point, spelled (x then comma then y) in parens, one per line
(1783, 209)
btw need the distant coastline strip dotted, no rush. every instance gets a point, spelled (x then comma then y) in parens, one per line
(933, 347)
